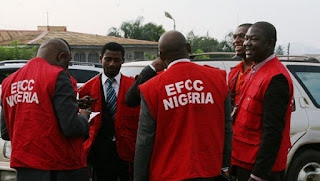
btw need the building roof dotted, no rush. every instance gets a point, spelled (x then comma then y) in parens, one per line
(36, 37)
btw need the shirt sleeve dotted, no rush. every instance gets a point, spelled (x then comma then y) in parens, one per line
(275, 106)
(4, 130)
(133, 95)
(144, 144)
(66, 108)
(228, 134)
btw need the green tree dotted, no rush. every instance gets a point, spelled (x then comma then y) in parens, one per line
(199, 51)
(149, 56)
(134, 29)
(204, 43)
(226, 44)
(210, 44)
(114, 32)
(279, 50)
(17, 52)
(152, 32)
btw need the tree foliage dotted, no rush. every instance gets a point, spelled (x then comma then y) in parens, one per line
(279, 50)
(134, 29)
(209, 44)
(17, 52)
(205, 43)
(114, 32)
(199, 51)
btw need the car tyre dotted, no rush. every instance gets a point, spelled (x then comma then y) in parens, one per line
(305, 167)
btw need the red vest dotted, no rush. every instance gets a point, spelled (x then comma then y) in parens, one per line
(247, 128)
(187, 102)
(126, 119)
(232, 77)
(36, 138)
(236, 79)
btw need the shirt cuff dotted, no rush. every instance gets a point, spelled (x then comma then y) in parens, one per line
(152, 67)
(256, 178)
(225, 169)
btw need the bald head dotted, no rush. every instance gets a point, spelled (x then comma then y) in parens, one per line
(56, 51)
(172, 46)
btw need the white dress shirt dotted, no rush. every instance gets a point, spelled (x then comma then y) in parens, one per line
(115, 84)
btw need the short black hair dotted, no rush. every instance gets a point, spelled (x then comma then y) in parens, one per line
(269, 30)
(113, 46)
(247, 25)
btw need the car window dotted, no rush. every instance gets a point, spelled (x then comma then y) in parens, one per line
(6, 72)
(82, 76)
(309, 78)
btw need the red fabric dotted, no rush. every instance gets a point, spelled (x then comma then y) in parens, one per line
(74, 84)
(236, 79)
(36, 138)
(189, 137)
(247, 128)
(126, 119)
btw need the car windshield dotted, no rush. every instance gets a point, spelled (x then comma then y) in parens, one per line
(82, 76)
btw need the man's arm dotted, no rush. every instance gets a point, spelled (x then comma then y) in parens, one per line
(4, 130)
(274, 110)
(133, 95)
(66, 108)
(228, 134)
(144, 144)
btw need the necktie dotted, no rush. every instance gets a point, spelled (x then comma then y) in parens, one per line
(111, 97)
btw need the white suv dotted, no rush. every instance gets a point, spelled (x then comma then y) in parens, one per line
(304, 155)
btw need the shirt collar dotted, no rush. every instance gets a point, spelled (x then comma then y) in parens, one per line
(259, 65)
(117, 78)
(178, 61)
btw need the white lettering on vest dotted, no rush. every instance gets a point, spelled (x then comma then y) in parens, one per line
(194, 94)
(21, 92)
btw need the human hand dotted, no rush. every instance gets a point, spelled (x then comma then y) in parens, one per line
(85, 112)
(158, 64)
(85, 102)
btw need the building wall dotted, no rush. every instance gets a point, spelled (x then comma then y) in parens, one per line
(131, 54)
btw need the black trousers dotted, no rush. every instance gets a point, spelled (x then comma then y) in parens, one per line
(217, 178)
(28, 174)
(107, 165)
(243, 174)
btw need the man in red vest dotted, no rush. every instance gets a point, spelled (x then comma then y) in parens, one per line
(262, 121)
(184, 128)
(238, 74)
(40, 117)
(113, 132)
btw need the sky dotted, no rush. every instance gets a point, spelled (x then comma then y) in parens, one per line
(297, 21)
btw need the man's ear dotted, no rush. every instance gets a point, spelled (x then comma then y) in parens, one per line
(100, 58)
(272, 44)
(60, 56)
(162, 57)
(123, 59)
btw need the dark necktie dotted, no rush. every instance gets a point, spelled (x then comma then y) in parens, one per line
(111, 97)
